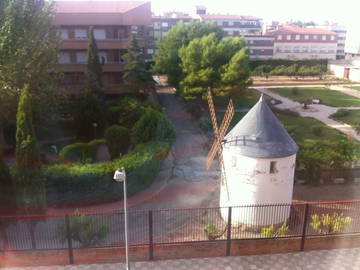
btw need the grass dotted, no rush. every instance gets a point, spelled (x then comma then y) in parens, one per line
(328, 97)
(354, 87)
(351, 117)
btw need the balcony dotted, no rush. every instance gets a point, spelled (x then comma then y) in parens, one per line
(103, 44)
(80, 67)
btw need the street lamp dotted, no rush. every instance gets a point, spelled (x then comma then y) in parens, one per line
(120, 176)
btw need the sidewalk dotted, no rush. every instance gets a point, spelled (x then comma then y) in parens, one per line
(337, 259)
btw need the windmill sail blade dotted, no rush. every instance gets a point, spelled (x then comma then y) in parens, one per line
(223, 128)
(212, 112)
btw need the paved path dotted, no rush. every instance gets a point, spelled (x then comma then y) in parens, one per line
(338, 259)
(318, 111)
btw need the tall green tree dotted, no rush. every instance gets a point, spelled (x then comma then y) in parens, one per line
(30, 182)
(136, 75)
(210, 62)
(93, 71)
(235, 77)
(28, 54)
(167, 59)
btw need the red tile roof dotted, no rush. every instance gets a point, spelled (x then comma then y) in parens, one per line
(227, 17)
(96, 6)
(298, 30)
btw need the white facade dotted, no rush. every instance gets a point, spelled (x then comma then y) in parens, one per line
(348, 69)
(256, 181)
(306, 50)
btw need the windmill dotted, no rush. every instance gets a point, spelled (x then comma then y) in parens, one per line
(219, 136)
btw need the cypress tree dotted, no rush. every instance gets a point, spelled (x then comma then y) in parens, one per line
(93, 68)
(30, 182)
(136, 76)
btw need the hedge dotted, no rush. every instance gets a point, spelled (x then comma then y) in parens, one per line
(287, 62)
(81, 152)
(87, 183)
(118, 140)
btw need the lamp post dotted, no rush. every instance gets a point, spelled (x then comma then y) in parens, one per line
(120, 176)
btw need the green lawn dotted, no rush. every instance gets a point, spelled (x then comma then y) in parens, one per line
(328, 97)
(354, 87)
(351, 117)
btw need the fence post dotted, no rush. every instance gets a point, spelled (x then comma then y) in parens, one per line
(151, 244)
(303, 236)
(68, 236)
(228, 236)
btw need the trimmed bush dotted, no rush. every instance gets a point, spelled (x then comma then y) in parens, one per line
(80, 152)
(76, 183)
(341, 113)
(113, 115)
(117, 140)
(131, 111)
(153, 125)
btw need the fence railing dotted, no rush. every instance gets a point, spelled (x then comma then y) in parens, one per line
(170, 226)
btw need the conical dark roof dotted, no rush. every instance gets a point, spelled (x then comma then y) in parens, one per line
(259, 134)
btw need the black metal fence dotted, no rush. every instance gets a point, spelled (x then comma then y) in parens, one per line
(154, 227)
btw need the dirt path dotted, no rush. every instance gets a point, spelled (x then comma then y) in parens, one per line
(318, 111)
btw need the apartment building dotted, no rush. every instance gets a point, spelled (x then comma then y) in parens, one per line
(340, 30)
(304, 43)
(113, 22)
(233, 25)
(163, 23)
(260, 46)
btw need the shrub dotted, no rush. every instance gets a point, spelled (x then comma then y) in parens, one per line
(113, 115)
(287, 112)
(87, 230)
(81, 183)
(131, 111)
(341, 113)
(318, 131)
(117, 140)
(326, 223)
(271, 231)
(212, 231)
(80, 152)
(153, 125)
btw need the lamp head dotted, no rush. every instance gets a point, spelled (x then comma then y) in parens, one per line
(120, 175)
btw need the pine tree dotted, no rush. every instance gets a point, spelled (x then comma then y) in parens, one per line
(30, 182)
(136, 76)
(93, 68)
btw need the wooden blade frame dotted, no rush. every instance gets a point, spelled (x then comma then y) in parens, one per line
(216, 147)
(212, 112)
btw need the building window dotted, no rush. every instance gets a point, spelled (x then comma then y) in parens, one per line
(323, 37)
(157, 34)
(103, 57)
(81, 57)
(273, 167)
(231, 23)
(134, 29)
(99, 34)
(306, 37)
(233, 161)
(80, 34)
(297, 37)
(150, 51)
(236, 33)
(164, 24)
(279, 37)
(64, 34)
(64, 58)
(157, 25)
(251, 41)
(332, 37)
(251, 51)
(288, 37)
(315, 37)
(225, 23)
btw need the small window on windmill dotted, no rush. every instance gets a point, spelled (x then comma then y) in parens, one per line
(273, 167)
(233, 161)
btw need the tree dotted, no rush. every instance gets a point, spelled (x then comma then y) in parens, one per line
(28, 54)
(136, 75)
(236, 74)
(93, 68)
(30, 182)
(206, 62)
(167, 59)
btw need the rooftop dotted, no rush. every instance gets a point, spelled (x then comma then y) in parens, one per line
(172, 15)
(96, 6)
(299, 30)
(227, 17)
(260, 134)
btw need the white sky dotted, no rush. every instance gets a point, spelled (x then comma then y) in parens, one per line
(346, 12)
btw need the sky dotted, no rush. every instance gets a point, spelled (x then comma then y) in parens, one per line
(344, 12)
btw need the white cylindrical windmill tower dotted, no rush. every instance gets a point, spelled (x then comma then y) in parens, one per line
(258, 162)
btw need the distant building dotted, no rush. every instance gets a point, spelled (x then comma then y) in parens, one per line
(304, 43)
(113, 24)
(233, 25)
(260, 46)
(163, 23)
(347, 69)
